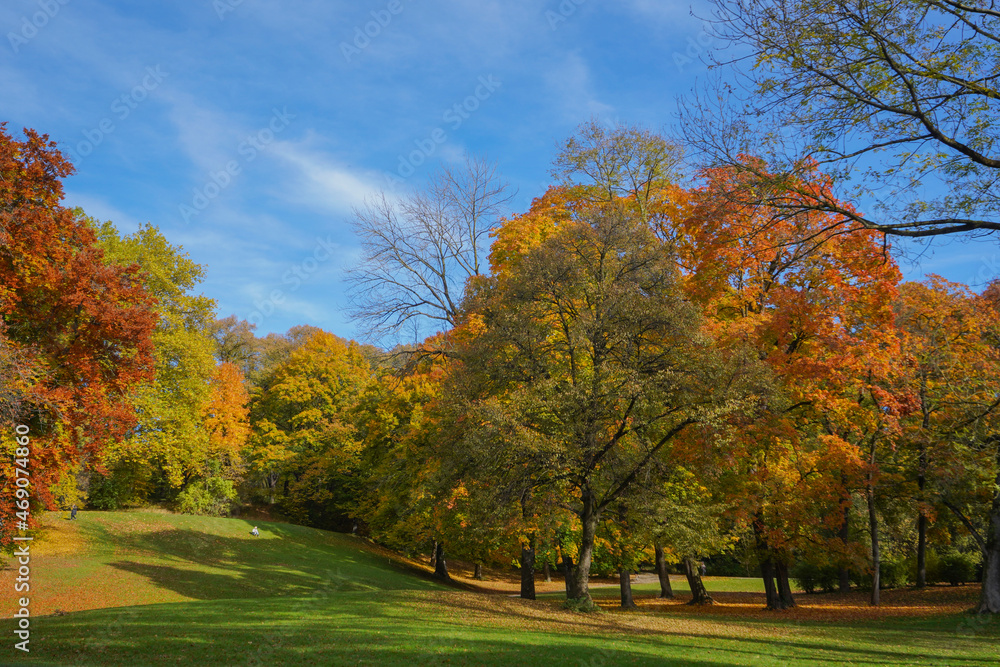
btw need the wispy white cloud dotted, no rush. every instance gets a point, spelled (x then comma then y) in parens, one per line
(322, 182)
(99, 208)
(571, 87)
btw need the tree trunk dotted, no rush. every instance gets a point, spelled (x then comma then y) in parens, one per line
(698, 593)
(440, 567)
(766, 566)
(876, 551)
(921, 550)
(479, 572)
(770, 591)
(784, 589)
(989, 603)
(626, 586)
(567, 564)
(527, 553)
(580, 584)
(666, 591)
(434, 553)
(922, 522)
(528, 569)
(845, 534)
(547, 571)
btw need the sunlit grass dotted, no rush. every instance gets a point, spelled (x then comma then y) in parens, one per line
(298, 596)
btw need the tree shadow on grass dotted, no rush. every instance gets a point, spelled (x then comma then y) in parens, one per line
(291, 632)
(385, 629)
(205, 566)
(761, 643)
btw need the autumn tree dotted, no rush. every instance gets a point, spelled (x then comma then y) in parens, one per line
(304, 447)
(622, 163)
(75, 333)
(817, 307)
(895, 99)
(170, 445)
(235, 343)
(587, 347)
(950, 342)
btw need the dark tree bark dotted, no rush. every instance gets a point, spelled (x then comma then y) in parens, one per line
(567, 567)
(845, 534)
(527, 553)
(922, 520)
(989, 602)
(440, 567)
(767, 570)
(579, 585)
(625, 581)
(770, 590)
(876, 550)
(528, 569)
(784, 589)
(666, 591)
(921, 550)
(479, 572)
(699, 595)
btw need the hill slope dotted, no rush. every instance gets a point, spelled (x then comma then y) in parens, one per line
(117, 559)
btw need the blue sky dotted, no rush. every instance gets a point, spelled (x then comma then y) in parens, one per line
(247, 129)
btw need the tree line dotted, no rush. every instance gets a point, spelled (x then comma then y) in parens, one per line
(640, 368)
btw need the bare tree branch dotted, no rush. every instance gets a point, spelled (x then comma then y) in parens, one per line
(419, 251)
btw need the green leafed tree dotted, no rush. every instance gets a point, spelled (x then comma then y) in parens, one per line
(586, 362)
(169, 446)
(304, 447)
(897, 100)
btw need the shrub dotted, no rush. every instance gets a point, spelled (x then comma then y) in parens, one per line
(828, 578)
(806, 575)
(123, 486)
(958, 568)
(933, 567)
(894, 572)
(212, 496)
(810, 577)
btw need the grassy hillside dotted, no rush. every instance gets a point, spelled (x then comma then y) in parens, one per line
(115, 559)
(297, 596)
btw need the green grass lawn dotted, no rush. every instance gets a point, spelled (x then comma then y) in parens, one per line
(298, 596)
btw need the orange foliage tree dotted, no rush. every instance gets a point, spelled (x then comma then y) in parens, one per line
(817, 306)
(950, 341)
(79, 330)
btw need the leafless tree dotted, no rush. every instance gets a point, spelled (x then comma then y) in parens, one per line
(420, 250)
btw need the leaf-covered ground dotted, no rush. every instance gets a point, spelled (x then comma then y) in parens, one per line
(298, 596)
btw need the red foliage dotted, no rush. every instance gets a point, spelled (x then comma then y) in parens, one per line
(83, 326)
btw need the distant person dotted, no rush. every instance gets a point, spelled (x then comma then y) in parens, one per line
(72, 511)
(702, 569)
(255, 532)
